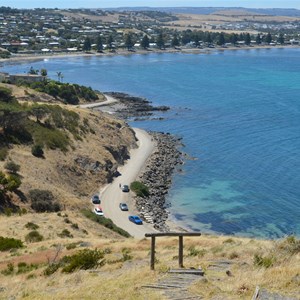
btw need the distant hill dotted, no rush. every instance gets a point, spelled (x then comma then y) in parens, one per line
(289, 12)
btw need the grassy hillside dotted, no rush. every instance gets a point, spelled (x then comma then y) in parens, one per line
(81, 149)
(233, 266)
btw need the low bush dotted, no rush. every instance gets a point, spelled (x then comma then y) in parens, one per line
(108, 223)
(291, 245)
(193, 251)
(23, 267)
(9, 243)
(140, 189)
(31, 226)
(42, 201)
(51, 269)
(265, 262)
(75, 226)
(83, 259)
(3, 153)
(37, 151)
(33, 237)
(126, 254)
(9, 269)
(65, 234)
(12, 167)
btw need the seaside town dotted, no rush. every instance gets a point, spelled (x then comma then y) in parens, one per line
(48, 31)
(177, 182)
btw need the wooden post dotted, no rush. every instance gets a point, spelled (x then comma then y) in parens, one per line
(180, 253)
(179, 234)
(152, 260)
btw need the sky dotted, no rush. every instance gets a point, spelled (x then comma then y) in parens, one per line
(151, 3)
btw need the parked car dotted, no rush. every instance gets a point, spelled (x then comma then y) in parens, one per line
(125, 188)
(98, 211)
(135, 219)
(95, 199)
(123, 206)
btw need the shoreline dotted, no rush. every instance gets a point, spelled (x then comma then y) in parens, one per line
(161, 160)
(205, 50)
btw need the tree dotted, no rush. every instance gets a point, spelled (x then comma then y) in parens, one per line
(99, 44)
(9, 183)
(247, 39)
(160, 41)
(59, 76)
(208, 38)
(280, 39)
(6, 95)
(145, 42)
(32, 71)
(186, 37)
(110, 41)
(44, 72)
(221, 39)
(269, 38)
(128, 41)
(233, 38)
(39, 111)
(175, 41)
(87, 44)
(258, 39)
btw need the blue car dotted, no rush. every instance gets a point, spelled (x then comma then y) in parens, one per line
(135, 219)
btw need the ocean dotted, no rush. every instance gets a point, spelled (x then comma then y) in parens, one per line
(238, 113)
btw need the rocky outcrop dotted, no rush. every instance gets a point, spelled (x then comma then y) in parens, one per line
(134, 106)
(157, 176)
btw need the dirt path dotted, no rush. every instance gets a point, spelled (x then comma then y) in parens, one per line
(112, 195)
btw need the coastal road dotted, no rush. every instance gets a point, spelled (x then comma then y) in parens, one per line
(109, 100)
(112, 195)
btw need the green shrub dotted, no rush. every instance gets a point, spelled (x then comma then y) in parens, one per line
(12, 167)
(75, 226)
(9, 243)
(42, 201)
(52, 268)
(233, 255)
(196, 252)
(33, 237)
(8, 211)
(23, 267)
(71, 246)
(31, 226)
(291, 245)
(9, 269)
(265, 262)
(3, 153)
(140, 189)
(126, 254)
(37, 151)
(108, 223)
(83, 259)
(229, 241)
(65, 234)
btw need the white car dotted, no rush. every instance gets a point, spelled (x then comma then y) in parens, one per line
(98, 211)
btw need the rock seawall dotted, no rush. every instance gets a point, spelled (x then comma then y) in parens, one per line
(157, 176)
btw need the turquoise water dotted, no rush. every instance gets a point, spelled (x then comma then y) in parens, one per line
(238, 113)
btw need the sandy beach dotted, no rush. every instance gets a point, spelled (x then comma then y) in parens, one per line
(30, 57)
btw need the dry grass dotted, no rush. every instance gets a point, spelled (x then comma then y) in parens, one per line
(123, 279)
